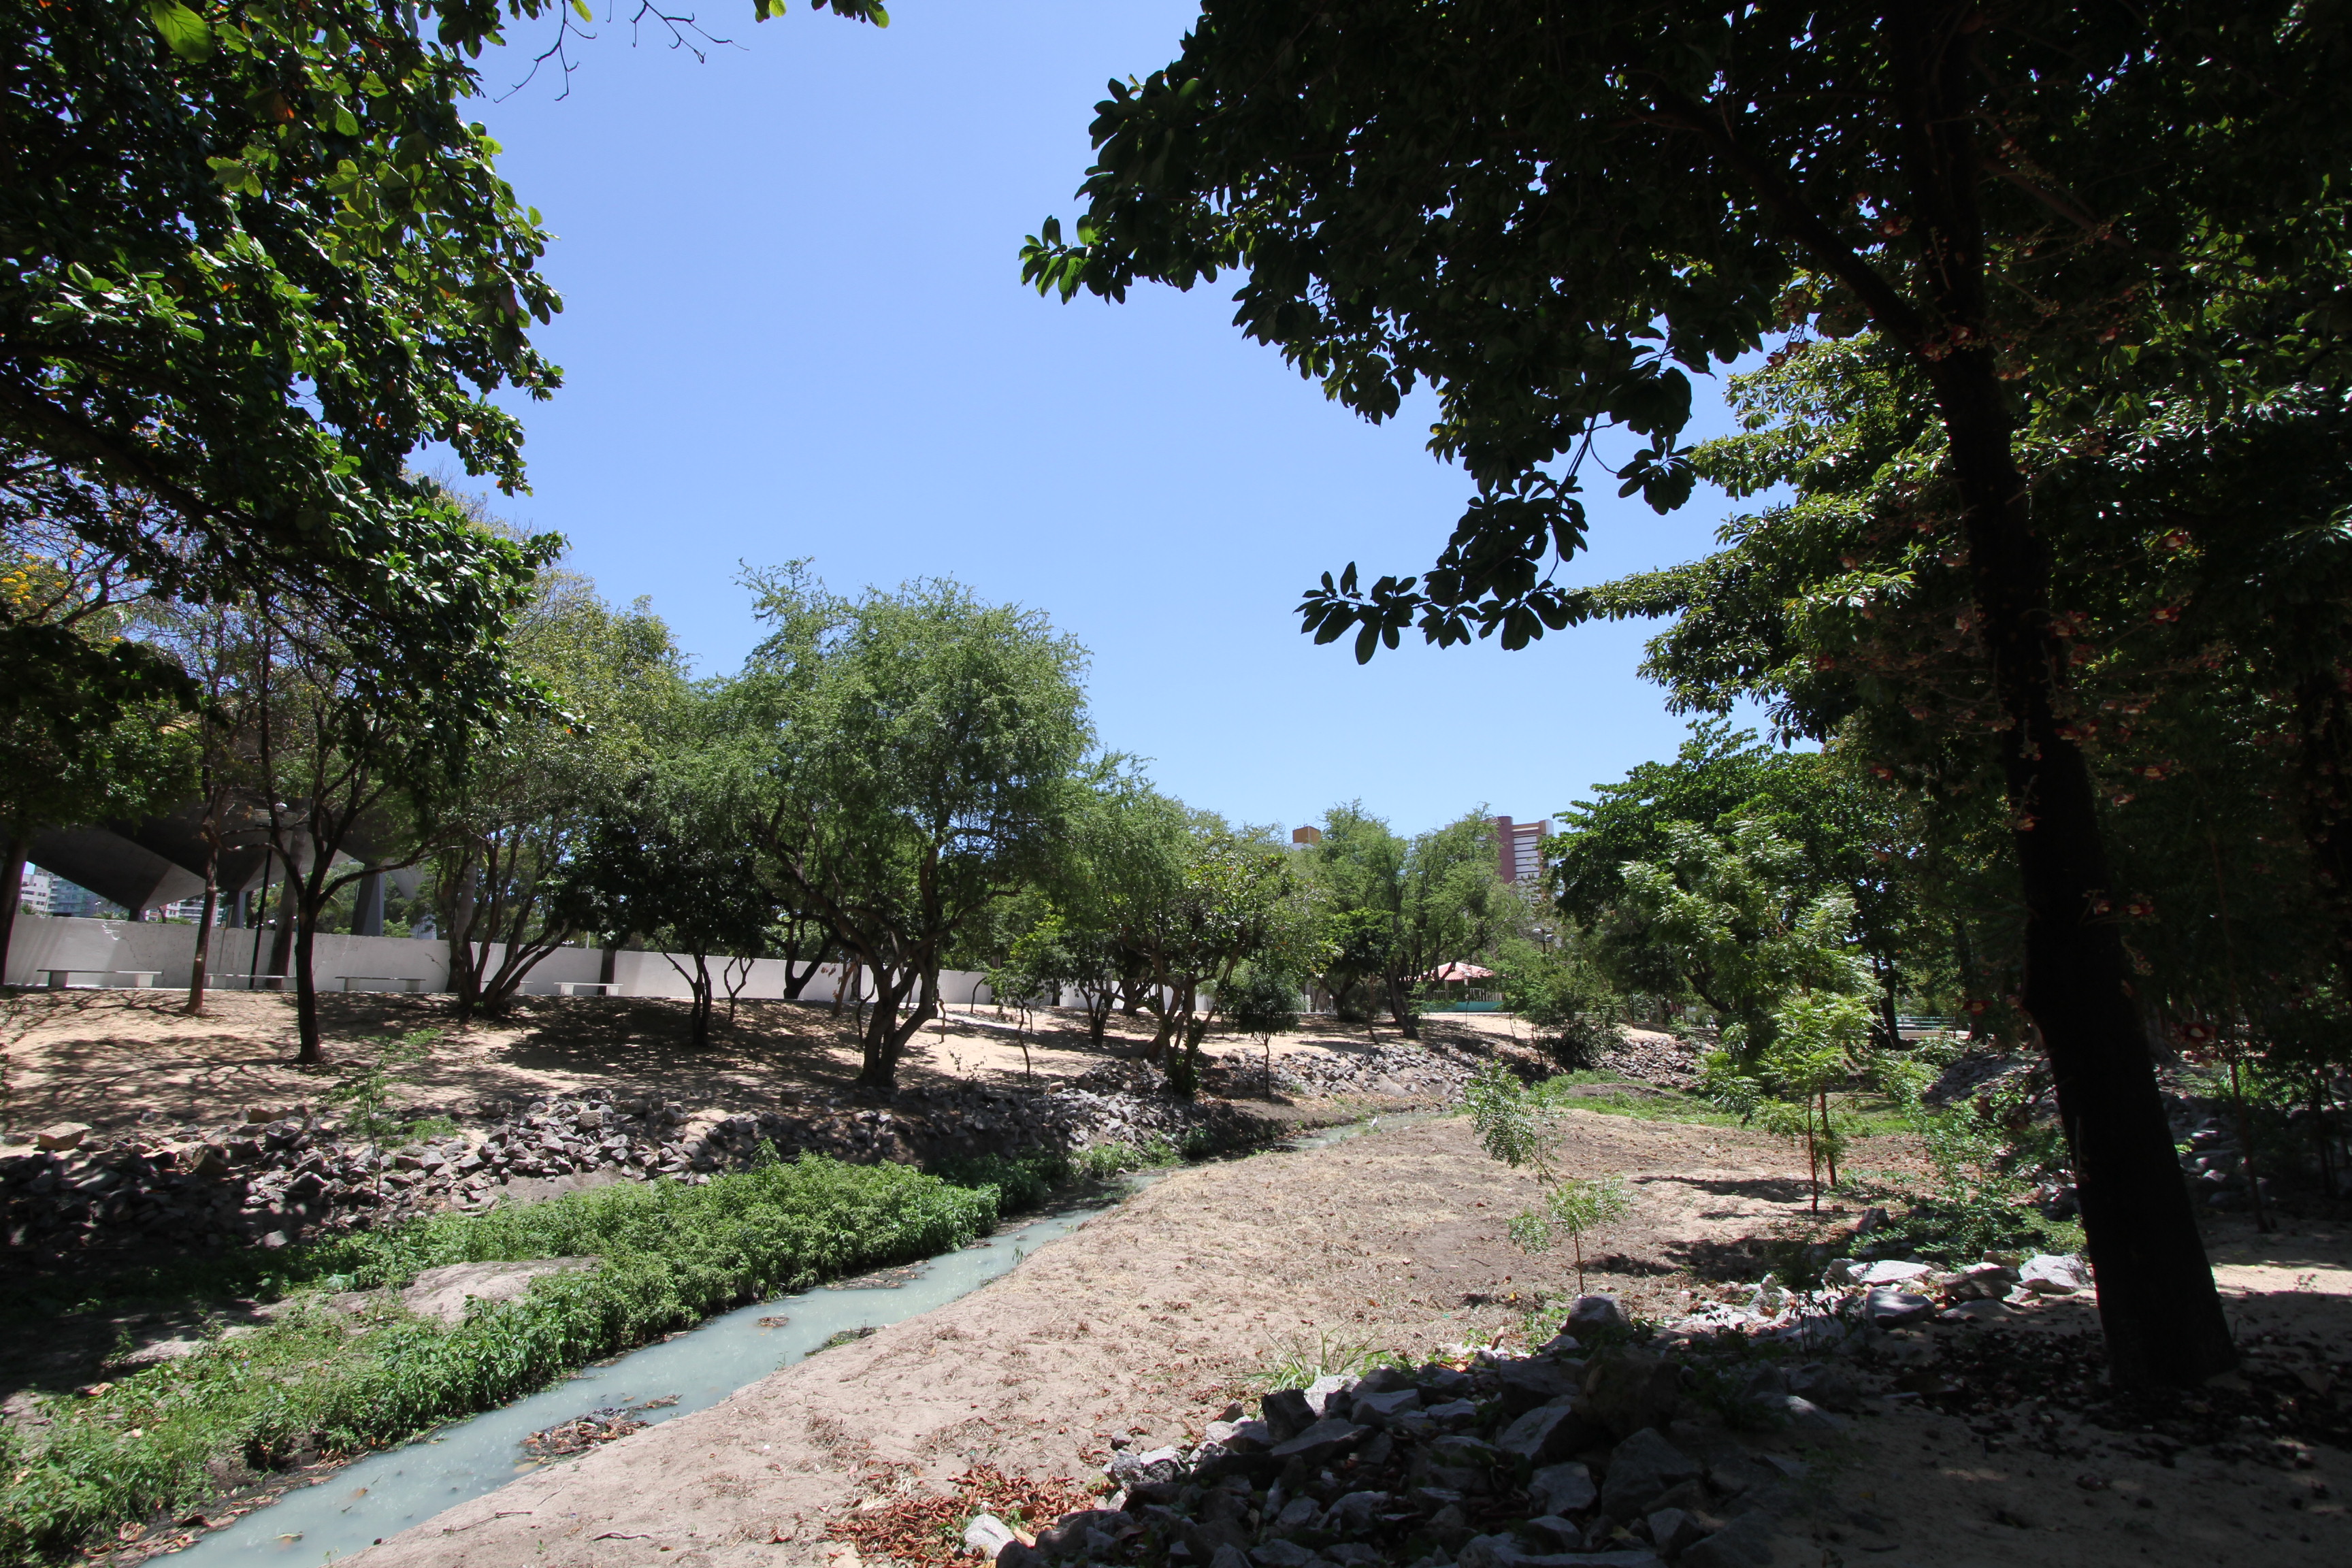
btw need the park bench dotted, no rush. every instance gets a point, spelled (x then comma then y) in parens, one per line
(249, 982)
(380, 982)
(140, 979)
(592, 987)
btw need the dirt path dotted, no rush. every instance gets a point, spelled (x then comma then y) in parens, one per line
(1144, 1322)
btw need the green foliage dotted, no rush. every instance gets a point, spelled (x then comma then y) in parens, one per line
(1564, 996)
(1397, 908)
(1517, 1126)
(1730, 914)
(1971, 1205)
(671, 1254)
(363, 1094)
(903, 762)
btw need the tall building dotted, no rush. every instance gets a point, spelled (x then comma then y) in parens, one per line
(1519, 849)
(46, 893)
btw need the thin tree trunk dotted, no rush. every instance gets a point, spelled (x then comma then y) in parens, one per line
(1400, 1009)
(205, 926)
(306, 997)
(13, 849)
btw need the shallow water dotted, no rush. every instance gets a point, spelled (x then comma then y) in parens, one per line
(377, 1497)
(385, 1493)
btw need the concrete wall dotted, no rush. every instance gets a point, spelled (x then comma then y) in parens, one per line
(45, 942)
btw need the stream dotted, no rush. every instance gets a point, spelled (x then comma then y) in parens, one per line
(377, 1497)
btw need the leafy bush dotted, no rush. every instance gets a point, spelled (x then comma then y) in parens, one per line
(673, 1254)
(1577, 1014)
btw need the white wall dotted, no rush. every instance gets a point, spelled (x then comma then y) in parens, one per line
(45, 942)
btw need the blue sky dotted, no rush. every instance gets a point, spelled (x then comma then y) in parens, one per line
(795, 327)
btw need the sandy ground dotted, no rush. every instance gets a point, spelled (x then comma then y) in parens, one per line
(105, 1058)
(1149, 1318)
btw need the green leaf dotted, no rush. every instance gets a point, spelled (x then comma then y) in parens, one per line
(346, 121)
(579, 9)
(189, 36)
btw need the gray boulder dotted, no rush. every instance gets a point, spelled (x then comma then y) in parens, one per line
(1628, 1390)
(1562, 1488)
(1381, 1409)
(1745, 1542)
(1322, 1393)
(1286, 1412)
(1592, 1314)
(1640, 1471)
(1524, 1384)
(1323, 1442)
(1550, 1433)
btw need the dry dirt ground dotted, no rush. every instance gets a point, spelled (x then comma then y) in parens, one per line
(1148, 1319)
(106, 1057)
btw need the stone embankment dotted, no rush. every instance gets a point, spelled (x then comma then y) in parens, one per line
(1601, 1449)
(278, 1176)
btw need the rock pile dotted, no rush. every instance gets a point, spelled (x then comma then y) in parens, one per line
(1565, 1458)
(273, 1176)
(1399, 1069)
(1649, 1057)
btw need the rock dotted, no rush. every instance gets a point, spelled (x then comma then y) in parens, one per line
(1890, 1272)
(1739, 1472)
(1745, 1542)
(1594, 1314)
(1354, 1554)
(1672, 1529)
(255, 1116)
(1379, 1409)
(1130, 1469)
(1886, 1306)
(1323, 1442)
(1831, 1384)
(1324, 1391)
(1976, 1312)
(988, 1535)
(2055, 1274)
(1555, 1533)
(1353, 1512)
(58, 1136)
(1230, 1557)
(1299, 1513)
(1643, 1467)
(1505, 1552)
(1239, 1436)
(1524, 1384)
(1805, 1416)
(1629, 1389)
(1286, 1412)
(1548, 1433)
(272, 1240)
(1562, 1488)
(444, 1292)
(1279, 1553)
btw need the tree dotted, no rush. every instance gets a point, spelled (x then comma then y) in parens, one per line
(104, 731)
(1815, 1049)
(352, 744)
(1229, 898)
(1853, 832)
(1405, 907)
(1263, 1001)
(1551, 216)
(256, 255)
(906, 761)
(531, 791)
(1729, 916)
(670, 861)
(1519, 1129)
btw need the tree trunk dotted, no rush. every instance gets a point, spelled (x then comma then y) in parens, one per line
(16, 844)
(203, 958)
(886, 1035)
(306, 996)
(1401, 1008)
(2323, 719)
(2161, 1314)
(281, 944)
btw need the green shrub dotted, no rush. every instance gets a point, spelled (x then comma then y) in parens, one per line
(673, 1254)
